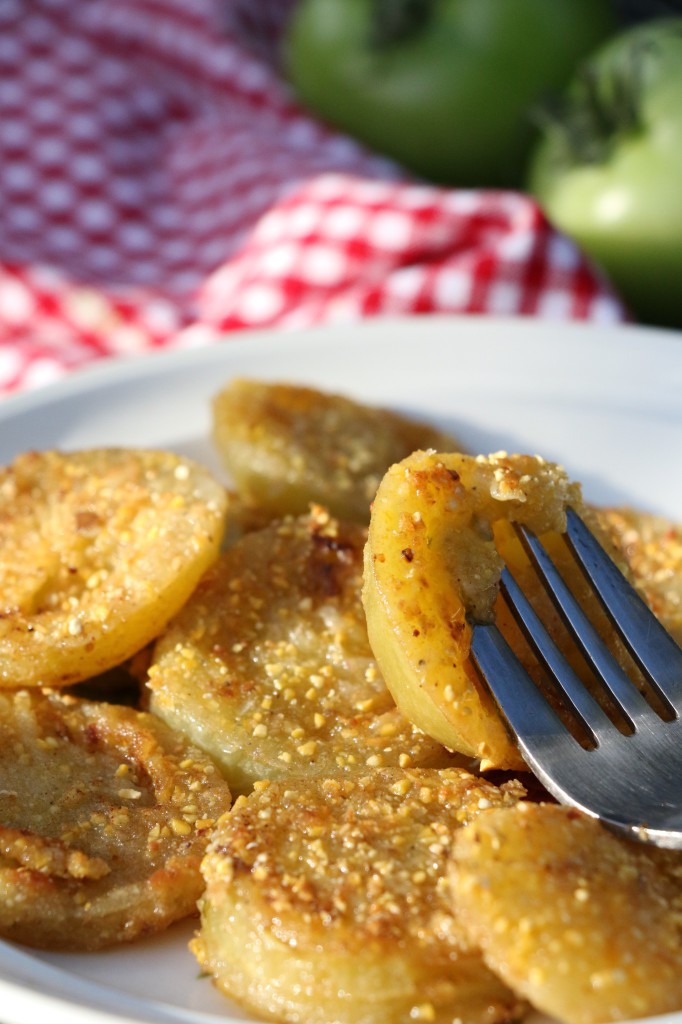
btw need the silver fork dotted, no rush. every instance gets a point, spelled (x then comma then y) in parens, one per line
(632, 781)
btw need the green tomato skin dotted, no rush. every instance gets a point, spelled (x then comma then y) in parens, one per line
(451, 102)
(625, 210)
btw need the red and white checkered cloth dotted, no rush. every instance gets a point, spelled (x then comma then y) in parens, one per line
(160, 186)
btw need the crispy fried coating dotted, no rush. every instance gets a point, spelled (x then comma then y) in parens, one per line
(287, 446)
(584, 924)
(326, 900)
(105, 815)
(430, 562)
(268, 667)
(98, 549)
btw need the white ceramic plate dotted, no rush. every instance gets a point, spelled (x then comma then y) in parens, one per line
(605, 401)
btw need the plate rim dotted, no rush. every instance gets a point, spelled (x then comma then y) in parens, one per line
(123, 366)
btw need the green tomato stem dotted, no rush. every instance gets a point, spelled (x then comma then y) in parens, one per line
(395, 20)
(600, 108)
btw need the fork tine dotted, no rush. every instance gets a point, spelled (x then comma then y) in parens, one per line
(618, 782)
(579, 700)
(541, 735)
(627, 697)
(630, 782)
(649, 643)
(524, 706)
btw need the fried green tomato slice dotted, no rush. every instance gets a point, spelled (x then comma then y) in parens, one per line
(326, 900)
(586, 925)
(268, 666)
(287, 446)
(431, 563)
(98, 550)
(105, 815)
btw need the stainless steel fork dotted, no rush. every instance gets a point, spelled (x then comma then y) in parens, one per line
(629, 778)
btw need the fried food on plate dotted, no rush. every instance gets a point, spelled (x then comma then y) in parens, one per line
(104, 818)
(287, 446)
(584, 924)
(268, 666)
(430, 562)
(326, 900)
(98, 549)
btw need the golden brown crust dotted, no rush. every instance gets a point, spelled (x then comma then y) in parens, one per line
(105, 815)
(98, 549)
(430, 563)
(585, 925)
(321, 874)
(287, 446)
(269, 668)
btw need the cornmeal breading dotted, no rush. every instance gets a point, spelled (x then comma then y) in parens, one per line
(430, 563)
(367, 878)
(287, 446)
(440, 532)
(268, 667)
(326, 900)
(98, 549)
(104, 817)
(584, 924)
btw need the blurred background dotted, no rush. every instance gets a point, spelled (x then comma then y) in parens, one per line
(162, 182)
(639, 10)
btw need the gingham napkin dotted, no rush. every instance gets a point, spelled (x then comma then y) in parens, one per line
(159, 186)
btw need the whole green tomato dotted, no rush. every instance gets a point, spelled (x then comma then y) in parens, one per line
(608, 170)
(442, 86)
